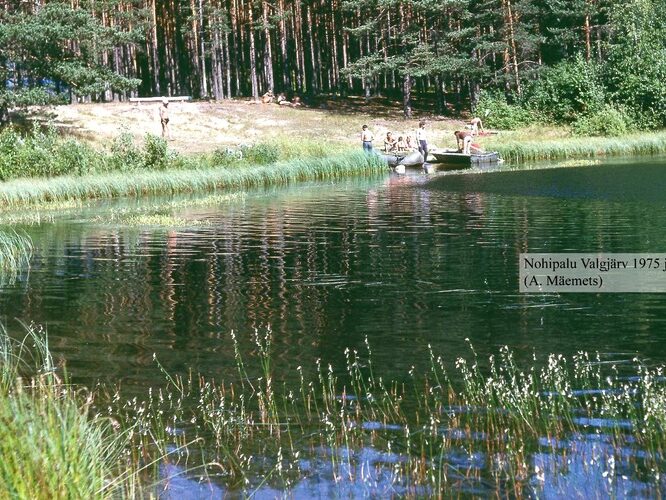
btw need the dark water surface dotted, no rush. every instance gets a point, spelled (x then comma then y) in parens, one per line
(404, 261)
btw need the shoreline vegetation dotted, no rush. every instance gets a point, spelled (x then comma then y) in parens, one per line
(44, 168)
(494, 427)
(52, 164)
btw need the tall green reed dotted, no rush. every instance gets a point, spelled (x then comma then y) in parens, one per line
(523, 150)
(15, 254)
(59, 189)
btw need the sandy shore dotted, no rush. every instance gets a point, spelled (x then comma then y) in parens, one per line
(204, 126)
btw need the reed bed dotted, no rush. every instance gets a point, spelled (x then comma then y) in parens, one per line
(65, 188)
(515, 149)
(15, 254)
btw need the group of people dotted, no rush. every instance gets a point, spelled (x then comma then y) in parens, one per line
(406, 144)
(403, 144)
(281, 99)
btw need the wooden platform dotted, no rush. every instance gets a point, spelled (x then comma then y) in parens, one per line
(139, 100)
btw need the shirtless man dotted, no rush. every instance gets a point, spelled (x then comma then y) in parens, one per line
(366, 139)
(464, 140)
(477, 125)
(164, 119)
(390, 144)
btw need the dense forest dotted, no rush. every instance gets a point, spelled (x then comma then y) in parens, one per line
(560, 58)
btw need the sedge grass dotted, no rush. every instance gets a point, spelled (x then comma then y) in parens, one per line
(15, 254)
(65, 188)
(447, 431)
(515, 149)
(259, 430)
(51, 444)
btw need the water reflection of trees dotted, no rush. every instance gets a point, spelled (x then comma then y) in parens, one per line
(406, 264)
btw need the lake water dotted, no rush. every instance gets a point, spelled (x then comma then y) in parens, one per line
(404, 261)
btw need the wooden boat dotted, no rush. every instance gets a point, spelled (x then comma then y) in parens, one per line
(406, 159)
(452, 157)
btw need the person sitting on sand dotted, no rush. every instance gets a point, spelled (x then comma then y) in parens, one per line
(164, 118)
(401, 145)
(390, 144)
(409, 144)
(366, 139)
(463, 140)
(477, 125)
(282, 100)
(268, 97)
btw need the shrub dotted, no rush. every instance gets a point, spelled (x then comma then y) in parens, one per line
(125, 155)
(607, 121)
(72, 157)
(260, 154)
(224, 157)
(567, 90)
(498, 113)
(155, 153)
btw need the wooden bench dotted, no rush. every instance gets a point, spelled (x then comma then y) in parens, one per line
(139, 100)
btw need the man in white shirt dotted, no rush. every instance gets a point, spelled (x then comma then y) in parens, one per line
(422, 140)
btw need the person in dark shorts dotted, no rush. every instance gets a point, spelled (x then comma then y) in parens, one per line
(164, 119)
(422, 140)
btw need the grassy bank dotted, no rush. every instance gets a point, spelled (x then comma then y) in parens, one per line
(499, 430)
(110, 185)
(514, 147)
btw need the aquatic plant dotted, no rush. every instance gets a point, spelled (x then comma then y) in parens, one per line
(515, 149)
(51, 444)
(424, 435)
(15, 254)
(22, 192)
(493, 427)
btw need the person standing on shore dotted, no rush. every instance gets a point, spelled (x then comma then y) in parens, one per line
(477, 125)
(366, 139)
(164, 119)
(422, 140)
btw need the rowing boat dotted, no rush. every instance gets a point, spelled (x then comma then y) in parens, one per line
(453, 157)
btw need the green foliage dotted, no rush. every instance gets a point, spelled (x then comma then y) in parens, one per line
(43, 154)
(50, 443)
(40, 43)
(23, 97)
(156, 154)
(497, 112)
(225, 157)
(260, 154)
(607, 121)
(566, 91)
(636, 69)
(125, 155)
